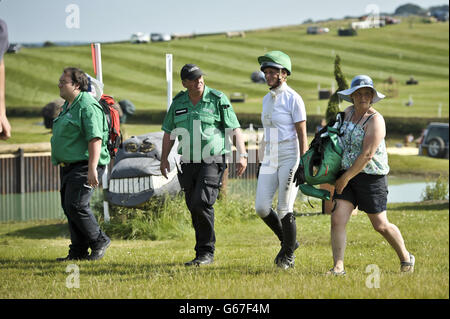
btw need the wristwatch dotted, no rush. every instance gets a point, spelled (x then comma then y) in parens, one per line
(243, 155)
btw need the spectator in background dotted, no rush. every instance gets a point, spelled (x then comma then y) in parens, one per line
(409, 139)
(5, 127)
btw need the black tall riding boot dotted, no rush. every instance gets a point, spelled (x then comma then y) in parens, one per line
(274, 223)
(289, 243)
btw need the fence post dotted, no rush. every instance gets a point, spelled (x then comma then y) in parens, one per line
(21, 182)
(20, 172)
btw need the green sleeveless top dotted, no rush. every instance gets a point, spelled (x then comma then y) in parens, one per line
(352, 142)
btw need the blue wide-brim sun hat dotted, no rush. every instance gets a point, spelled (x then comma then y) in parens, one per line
(360, 81)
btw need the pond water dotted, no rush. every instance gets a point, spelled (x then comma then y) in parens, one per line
(46, 205)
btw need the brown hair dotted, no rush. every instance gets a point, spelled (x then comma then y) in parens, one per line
(78, 77)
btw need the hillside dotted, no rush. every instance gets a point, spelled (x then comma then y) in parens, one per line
(137, 72)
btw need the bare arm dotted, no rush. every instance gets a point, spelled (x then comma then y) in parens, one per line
(240, 145)
(167, 144)
(5, 127)
(300, 127)
(375, 133)
(94, 148)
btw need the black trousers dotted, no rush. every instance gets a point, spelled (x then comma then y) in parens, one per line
(75, 200)
(201, 183)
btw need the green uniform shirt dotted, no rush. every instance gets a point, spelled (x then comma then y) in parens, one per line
(205, 123)
(75, 127)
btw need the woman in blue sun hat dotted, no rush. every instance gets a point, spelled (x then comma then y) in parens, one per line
(362, 182)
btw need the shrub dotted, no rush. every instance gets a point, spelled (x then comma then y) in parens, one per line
(438, 191)
(165, 218)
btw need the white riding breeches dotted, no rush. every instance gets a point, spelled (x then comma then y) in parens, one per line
(277, 172)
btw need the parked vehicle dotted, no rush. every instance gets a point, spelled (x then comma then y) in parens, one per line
(14, 48)
(435, 141)
(160, 37)
(316, 30)
(140, 37)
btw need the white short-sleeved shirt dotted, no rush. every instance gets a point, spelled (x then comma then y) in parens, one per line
(282, 107)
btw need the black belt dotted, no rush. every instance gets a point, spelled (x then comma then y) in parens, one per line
(65, 165)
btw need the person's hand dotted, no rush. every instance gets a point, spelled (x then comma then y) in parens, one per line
(341, 183)
(92, 179)
(299, 176)
(241, 166)
(5, 128)
(165, 168)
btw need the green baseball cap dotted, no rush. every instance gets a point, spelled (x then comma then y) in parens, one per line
(275, 59)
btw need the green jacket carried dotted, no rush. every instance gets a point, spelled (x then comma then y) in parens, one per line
(322, 162)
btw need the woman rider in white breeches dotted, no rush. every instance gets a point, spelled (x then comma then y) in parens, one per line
(284, 122)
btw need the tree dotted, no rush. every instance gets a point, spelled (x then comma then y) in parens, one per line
(333, 103)
(48, 44)
(408, 9)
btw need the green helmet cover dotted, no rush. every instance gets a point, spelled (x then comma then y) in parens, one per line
(277, 57)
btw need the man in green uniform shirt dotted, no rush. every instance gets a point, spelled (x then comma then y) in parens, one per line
(203, 120)
(80, 134)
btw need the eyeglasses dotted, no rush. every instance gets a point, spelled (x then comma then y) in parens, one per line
(62, 82)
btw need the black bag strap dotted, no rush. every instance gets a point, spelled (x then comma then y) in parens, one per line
(368, 119)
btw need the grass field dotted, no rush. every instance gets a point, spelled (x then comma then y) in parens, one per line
(137, 72)
(243, 265)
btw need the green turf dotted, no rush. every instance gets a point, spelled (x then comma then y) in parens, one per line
(243, 265)
(137, 72)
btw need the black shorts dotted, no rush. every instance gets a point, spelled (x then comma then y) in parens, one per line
(368, 192)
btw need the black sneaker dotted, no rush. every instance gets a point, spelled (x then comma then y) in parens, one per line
(286, 262)
(200, 260)
(73, 257)
(98, 253)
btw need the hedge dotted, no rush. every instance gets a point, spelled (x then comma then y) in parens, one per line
(394, 125)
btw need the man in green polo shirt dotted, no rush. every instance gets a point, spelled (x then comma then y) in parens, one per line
(203, 120)
(80, 134)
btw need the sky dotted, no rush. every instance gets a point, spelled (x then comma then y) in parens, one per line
(32, 21)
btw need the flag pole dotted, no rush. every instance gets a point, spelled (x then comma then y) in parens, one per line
(169, 61)
(97, 63)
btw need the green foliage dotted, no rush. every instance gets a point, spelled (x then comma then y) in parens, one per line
(160, 218)
(333, 103)
(333, 107)
(408, 9)
(436, 191)
(165, 218)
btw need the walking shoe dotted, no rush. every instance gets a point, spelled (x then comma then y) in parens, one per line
(408, 266)
(335, 273)
(98, 253)
(286, 262)
(281, 252)
(200, 260)
(73, 257)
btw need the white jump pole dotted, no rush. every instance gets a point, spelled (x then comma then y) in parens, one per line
(169, 72)
(97, 58)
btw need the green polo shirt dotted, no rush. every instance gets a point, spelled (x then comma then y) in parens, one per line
(75, 127)
(206, 124)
